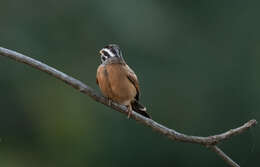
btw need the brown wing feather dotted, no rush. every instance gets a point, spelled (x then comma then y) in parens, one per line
(97, 77)
(134, 80)
(98, 73)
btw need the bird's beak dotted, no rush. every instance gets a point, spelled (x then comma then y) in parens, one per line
(101, 52)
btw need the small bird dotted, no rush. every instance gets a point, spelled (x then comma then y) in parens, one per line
(118, 81)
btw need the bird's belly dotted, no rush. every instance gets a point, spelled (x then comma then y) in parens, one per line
(123, 92)
(116, 86)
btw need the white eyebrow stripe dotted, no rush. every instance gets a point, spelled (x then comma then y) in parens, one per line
(109, 52)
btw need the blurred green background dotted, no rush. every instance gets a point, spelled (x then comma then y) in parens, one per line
(197, 62)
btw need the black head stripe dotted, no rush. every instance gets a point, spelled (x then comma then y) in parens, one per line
(113, 50)
(103, 58)
(106, 54)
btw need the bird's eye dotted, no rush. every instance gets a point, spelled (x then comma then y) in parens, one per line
(103, 58)
(106, 54)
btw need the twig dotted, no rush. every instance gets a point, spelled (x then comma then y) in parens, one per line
(209, 141)
(224, 156)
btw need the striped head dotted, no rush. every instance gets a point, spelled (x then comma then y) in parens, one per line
(110, 51)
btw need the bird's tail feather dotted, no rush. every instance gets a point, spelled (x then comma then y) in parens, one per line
(139, 108)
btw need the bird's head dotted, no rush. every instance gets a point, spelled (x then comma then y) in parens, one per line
(110, 51)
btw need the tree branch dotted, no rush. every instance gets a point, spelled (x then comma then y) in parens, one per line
(209, 141)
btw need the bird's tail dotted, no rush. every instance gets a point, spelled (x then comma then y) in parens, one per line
(139, 108)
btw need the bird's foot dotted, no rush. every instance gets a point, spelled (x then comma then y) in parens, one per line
(109, 102)
(129, 110)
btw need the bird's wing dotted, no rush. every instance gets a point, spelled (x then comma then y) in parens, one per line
(134, 80)
(98, 73)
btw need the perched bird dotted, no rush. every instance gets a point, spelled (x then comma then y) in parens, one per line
(118, 81)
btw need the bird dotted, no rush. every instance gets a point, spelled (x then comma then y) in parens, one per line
(118, 82)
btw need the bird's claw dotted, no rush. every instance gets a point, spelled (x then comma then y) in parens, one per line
(109, 102)
(129, 112)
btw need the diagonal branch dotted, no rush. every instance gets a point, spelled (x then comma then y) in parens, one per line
(209, 141)
(224, 156)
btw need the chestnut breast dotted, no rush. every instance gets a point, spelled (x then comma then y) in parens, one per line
(114, 83)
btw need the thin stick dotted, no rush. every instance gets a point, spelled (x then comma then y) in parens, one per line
(170, 133)
(224, 156)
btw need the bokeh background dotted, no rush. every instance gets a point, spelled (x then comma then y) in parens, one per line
(197, 62)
